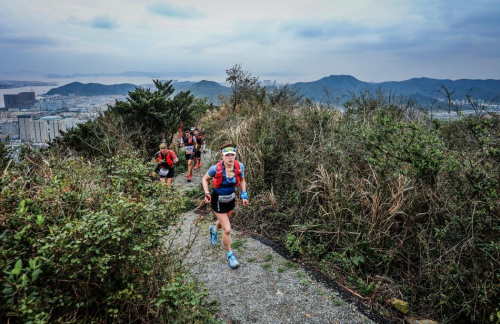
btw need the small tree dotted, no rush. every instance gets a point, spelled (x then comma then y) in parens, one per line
(144, 120)
(102, 137)
(243, 85)
(155, 116)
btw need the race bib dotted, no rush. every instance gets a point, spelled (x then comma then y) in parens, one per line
(227, 198)
(189, 149)
(163, 172)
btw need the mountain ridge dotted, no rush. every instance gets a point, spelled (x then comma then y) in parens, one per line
(425, 89)
(92, 89)
(338, 87)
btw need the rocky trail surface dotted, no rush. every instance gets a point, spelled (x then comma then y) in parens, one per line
(267, 287)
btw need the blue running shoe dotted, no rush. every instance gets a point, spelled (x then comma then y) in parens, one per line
(233, 263)
(213, 235)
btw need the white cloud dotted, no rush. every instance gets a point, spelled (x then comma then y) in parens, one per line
(316, 37)
(104, 21)
(168, 10)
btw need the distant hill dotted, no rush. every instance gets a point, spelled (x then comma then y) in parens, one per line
(334, 88)
(92, 89)
(424, 90)
(208, 89)
(202, 89)
(481, 89)
(9, 84)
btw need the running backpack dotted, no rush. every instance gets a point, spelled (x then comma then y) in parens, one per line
(218, 174)
(199, 140)
(189, 141)
(168, 158)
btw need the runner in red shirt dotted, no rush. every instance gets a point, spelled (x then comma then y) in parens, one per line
(165, 160)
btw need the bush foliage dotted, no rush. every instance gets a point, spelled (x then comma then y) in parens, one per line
(84, 243)
(382, 196)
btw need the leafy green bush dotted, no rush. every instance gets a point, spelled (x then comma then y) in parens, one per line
(83, 243)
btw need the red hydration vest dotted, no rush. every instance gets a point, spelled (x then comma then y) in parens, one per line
(186, 140)
(218, 174)
(168, 158)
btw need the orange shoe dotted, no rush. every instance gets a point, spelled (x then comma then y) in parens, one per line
(189, 178)
(196, 167)
(199, 165)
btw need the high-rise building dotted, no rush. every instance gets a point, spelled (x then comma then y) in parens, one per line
(27, 98)
(72, 122)
(55, 128)
(20, 100)
(55, 124)
(12, 100)
(24, 127)
(39, 130)
(48, 105)
(42, 130)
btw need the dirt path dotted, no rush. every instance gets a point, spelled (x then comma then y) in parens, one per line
(266, 288)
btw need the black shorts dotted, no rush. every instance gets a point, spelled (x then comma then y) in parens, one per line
(170, 174)
(219, 207)
(189, 156)
(197, 154)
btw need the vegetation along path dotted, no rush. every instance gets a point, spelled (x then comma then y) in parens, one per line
(266, 288)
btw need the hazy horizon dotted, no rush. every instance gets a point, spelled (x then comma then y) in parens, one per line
(116, 78)
(373, 41)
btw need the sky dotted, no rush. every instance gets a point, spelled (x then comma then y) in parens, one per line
(373, 40)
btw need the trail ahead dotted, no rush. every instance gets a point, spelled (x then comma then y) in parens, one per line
(266, 288)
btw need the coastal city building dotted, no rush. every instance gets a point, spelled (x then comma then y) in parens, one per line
(46, 129)
(43, 121)
(20, 100)
(39, 131)
(24, 122)
(56, 124)
(49, 105)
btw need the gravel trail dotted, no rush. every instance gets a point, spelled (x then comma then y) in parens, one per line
(266, 288)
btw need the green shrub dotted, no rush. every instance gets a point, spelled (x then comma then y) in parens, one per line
(83, 243)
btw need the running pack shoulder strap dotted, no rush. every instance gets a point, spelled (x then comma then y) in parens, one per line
(220, 170)
(167, 158)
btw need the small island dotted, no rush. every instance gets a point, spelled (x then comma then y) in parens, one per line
(10, 84)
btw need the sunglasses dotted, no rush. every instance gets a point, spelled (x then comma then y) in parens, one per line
(229, 149)
(163, 148)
